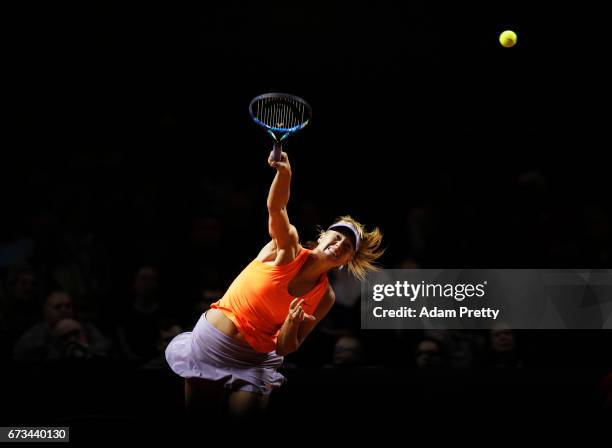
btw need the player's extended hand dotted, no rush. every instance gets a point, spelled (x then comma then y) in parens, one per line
(283, 165)
(297, 313)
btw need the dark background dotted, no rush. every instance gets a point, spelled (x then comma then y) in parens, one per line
(128, 143)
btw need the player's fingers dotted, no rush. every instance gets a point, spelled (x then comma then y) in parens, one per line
(295, 315)
(293, 303)
(278, 165)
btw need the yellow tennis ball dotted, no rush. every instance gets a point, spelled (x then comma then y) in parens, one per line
(507, 38)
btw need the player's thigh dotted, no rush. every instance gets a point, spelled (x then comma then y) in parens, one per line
(242, 403)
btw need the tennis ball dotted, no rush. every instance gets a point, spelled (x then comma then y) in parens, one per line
(507, 38)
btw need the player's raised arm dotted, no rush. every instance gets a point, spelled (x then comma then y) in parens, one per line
(281, 231)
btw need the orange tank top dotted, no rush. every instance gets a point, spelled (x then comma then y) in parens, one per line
(257, 301)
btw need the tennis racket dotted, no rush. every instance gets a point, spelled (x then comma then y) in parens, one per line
(280, 115)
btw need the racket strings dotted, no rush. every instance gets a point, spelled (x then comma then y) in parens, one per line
(280, 114)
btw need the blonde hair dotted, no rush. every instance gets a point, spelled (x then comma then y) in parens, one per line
(369, 249)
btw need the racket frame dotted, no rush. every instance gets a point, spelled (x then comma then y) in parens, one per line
(283, 133)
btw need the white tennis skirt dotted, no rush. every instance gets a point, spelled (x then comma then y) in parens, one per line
(209, 354)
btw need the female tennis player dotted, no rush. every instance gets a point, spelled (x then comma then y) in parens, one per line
(230, 359)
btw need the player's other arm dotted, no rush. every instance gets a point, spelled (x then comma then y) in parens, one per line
(298, 324)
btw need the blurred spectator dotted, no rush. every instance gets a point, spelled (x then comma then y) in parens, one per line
(348, 352)
(39, 343)
(83, 272)
(146, 290)
(20, 304)
(201, 262)
(168, 329)
(71, 340)
(57, 306)
(429, 354)
(461, 346)
(137, 329)
(502, 347)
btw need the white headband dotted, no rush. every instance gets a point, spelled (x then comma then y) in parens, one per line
(353, 229)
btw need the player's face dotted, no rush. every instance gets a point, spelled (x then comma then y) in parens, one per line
(337, 246)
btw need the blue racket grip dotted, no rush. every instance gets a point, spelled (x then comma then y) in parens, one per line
(276, 152)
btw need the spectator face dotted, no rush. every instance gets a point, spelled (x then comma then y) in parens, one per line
(428, 354)
(69, 332)
(58, 306)
(24, 286)
(502, 339)
(146, 283)
(347, 351)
